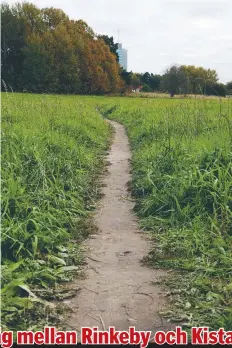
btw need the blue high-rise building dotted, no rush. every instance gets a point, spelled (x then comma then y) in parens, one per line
(122, 54)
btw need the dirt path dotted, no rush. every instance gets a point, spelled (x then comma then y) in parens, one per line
(117, 290)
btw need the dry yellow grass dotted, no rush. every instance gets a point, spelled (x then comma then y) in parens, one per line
(166, 95)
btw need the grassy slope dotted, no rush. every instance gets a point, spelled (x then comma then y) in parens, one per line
(182, 180)
(51, 156)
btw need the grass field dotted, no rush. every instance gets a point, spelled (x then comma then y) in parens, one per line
(182, 182)
(51, 155)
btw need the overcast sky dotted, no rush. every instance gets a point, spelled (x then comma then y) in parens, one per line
(158, 33)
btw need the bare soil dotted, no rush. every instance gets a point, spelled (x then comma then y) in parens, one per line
(118, 290)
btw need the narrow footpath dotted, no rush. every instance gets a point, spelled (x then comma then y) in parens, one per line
(117, 289)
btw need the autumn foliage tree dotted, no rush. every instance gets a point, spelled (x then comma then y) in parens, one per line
(44, 51)
(198, 77)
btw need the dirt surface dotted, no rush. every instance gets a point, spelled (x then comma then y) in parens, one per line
(117, 290)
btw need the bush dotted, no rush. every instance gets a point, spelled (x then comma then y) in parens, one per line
(146, 88)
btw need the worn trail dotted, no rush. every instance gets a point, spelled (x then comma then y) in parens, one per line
(117, 290)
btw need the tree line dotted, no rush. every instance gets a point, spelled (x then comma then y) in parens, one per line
(179, 80)
(182, 79)
(44, 51)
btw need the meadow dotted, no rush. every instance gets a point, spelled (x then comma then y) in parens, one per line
(52, 149)
(182, 183)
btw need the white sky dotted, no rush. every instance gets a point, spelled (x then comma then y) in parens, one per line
(158, 33)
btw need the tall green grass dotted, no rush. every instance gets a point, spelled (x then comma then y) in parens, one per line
(52, 149)
(182, 181)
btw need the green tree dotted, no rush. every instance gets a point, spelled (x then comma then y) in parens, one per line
(40, 73)
(229, 87)
(109, 41)
(155, 82)
(135, 80)
(198, 77)
(13, 33)
(174, 81)
(151, 82)
(218, 89)
(52, 17)
(126, 77)
(146, 79)
(31, 16)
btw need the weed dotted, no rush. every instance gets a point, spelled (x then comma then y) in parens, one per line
(52, 151)
(182, 182)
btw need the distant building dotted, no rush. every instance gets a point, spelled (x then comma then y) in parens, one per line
(122, 54)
